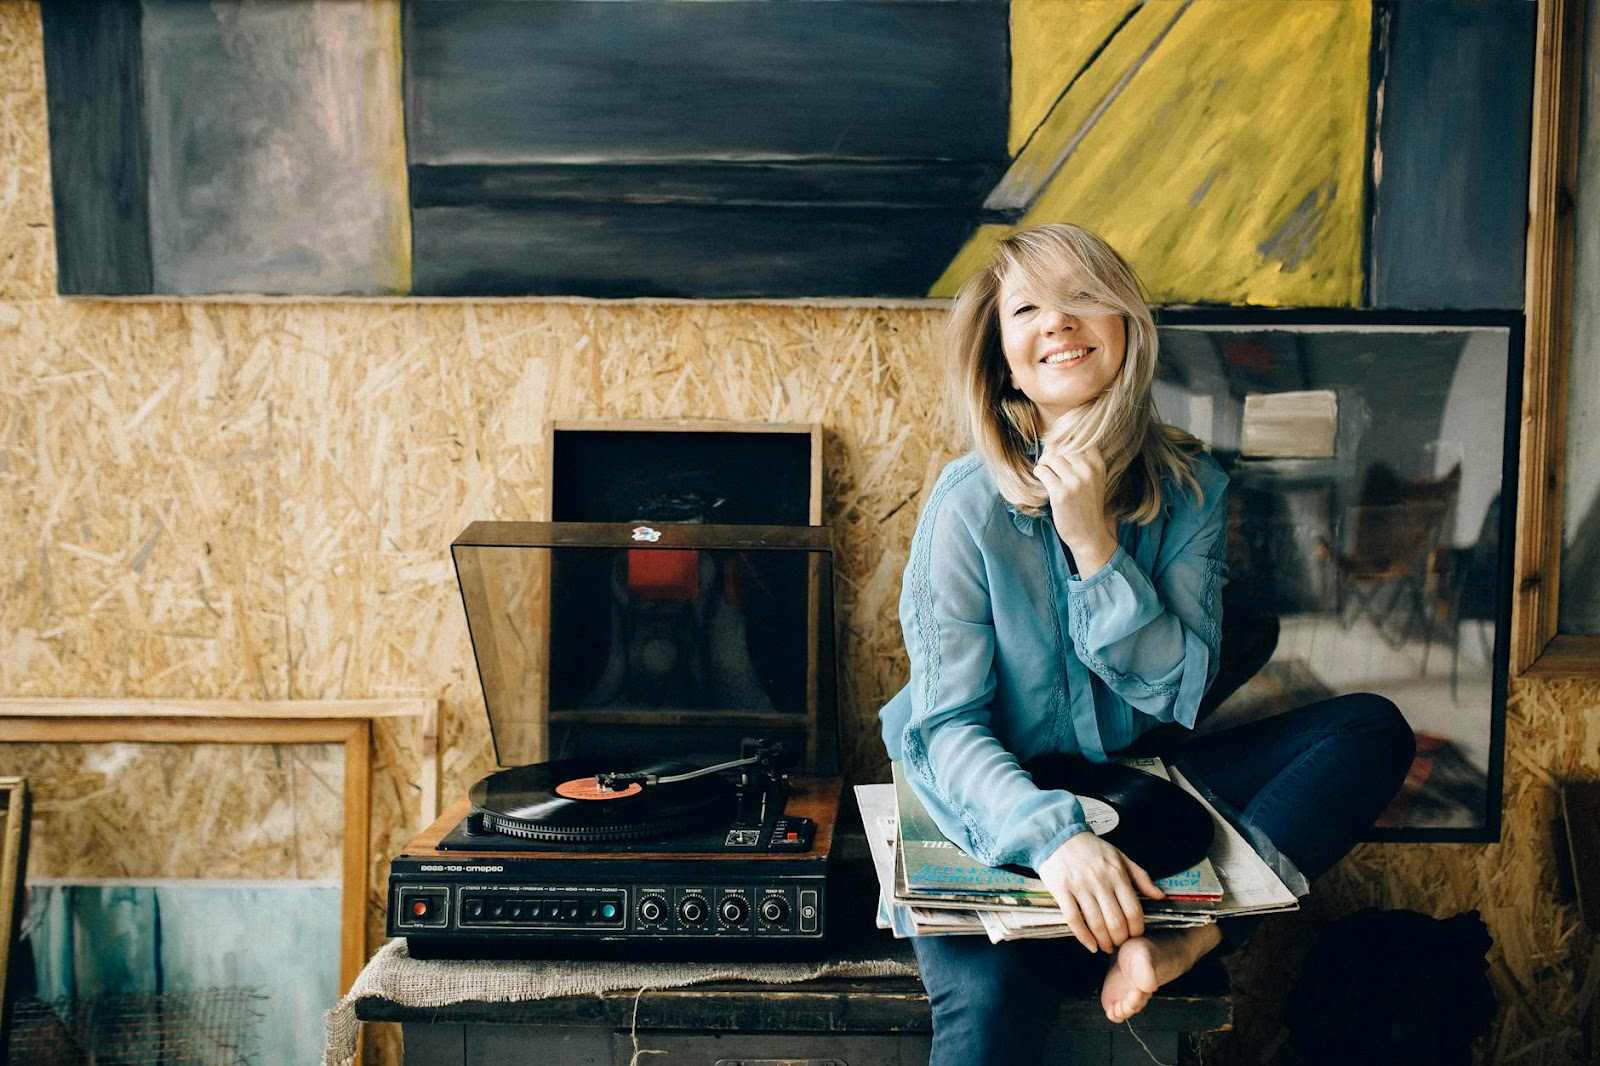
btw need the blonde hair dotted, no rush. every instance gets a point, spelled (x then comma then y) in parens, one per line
(1078, 273)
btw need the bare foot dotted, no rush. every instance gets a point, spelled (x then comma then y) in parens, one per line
(1145, 963)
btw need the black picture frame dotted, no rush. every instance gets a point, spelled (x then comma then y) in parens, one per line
(1336, 321)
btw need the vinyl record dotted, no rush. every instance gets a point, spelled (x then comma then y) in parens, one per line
(1150, 820)
(560, 801)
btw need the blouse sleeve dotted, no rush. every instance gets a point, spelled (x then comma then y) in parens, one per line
(1154, 638)
(970, 783)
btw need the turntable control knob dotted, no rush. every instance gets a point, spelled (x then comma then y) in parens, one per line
(774, 910)
(734, 910)
(652, 908)
(692, 910)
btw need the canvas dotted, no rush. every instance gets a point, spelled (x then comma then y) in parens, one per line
(805, 149)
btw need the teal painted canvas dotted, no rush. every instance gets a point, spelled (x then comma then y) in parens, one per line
(85, 941)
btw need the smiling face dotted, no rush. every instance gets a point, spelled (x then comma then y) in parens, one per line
(1058, 359)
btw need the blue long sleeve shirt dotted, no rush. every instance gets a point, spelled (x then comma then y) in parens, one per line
(1012, 656)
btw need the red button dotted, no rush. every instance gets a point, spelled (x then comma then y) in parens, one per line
(420, 908)
(792, 836)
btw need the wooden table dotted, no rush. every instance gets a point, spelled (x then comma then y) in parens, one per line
(826, 1021)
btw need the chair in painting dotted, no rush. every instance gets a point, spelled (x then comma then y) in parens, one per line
(1381, 563)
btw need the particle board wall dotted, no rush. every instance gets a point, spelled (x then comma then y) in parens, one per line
(256, 501)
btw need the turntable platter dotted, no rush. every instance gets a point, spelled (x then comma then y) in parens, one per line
(561, 802)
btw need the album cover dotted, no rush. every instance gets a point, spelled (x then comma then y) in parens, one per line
(931, 864)
(1251, 887)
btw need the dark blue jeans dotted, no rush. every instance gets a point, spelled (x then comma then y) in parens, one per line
(1312, 779)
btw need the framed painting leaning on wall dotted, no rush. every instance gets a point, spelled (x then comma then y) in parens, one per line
(13, 861)
(1370, 510)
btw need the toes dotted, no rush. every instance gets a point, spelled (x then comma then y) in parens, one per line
(1121, 1009)
(1130, 1006)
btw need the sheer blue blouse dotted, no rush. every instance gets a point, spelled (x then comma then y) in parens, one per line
(1013, 656)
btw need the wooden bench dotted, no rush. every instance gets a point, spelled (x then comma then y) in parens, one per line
(822, 1022)
(877, 1022)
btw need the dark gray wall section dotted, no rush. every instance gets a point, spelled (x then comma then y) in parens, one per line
(849, 183)
(94, 93)
(585, 80)
(748, 148)
(680, 250)
(1450, 213)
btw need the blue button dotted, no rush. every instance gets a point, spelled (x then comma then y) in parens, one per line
(609, 910)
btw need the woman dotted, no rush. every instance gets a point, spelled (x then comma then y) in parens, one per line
(1062, 595)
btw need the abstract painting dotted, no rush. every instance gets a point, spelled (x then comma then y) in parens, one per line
(1325, 153)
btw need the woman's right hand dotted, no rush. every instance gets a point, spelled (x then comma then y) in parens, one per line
(1098, 888)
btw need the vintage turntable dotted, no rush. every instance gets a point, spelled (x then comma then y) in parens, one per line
(663, 697)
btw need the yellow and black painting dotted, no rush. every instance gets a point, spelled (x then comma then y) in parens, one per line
(1317, 153)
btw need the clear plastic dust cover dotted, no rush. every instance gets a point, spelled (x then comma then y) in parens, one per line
(632, 641)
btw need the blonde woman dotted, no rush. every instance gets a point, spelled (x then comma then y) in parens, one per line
(1063, 596)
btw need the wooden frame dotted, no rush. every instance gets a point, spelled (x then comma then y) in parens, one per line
(1537, 647)
(685, 425)
(344, 722)
(521, 736)
(13, 863)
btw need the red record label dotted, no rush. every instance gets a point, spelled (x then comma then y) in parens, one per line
(587, 788)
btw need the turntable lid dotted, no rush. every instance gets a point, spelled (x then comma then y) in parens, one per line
(655, 639)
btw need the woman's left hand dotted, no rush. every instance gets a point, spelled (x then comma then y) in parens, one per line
(1076, 484)
(1098, 889)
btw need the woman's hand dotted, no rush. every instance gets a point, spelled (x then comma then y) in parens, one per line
(1097, 888)
(1076, 484)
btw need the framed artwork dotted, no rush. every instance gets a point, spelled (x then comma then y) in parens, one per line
(13, 864)
(347, 723)
(1371, 513)
(1579, 612)
(137, 965)
(824, 149)
(1557, 634)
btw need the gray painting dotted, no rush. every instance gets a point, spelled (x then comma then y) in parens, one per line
(755, 148)
(250, 144)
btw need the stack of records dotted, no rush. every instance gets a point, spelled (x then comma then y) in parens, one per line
(1207, 869)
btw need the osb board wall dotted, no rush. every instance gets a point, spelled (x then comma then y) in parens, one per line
(169, 810)
(255, 501)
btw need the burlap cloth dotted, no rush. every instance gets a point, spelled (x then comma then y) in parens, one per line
(393, 975)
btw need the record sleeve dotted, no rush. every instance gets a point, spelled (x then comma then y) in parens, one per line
(1150, 820)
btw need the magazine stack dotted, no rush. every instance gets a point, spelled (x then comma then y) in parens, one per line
(930, 887)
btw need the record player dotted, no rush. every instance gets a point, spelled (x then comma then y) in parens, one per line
(663, 699)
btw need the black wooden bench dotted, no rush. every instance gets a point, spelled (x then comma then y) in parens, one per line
(823, 1022)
